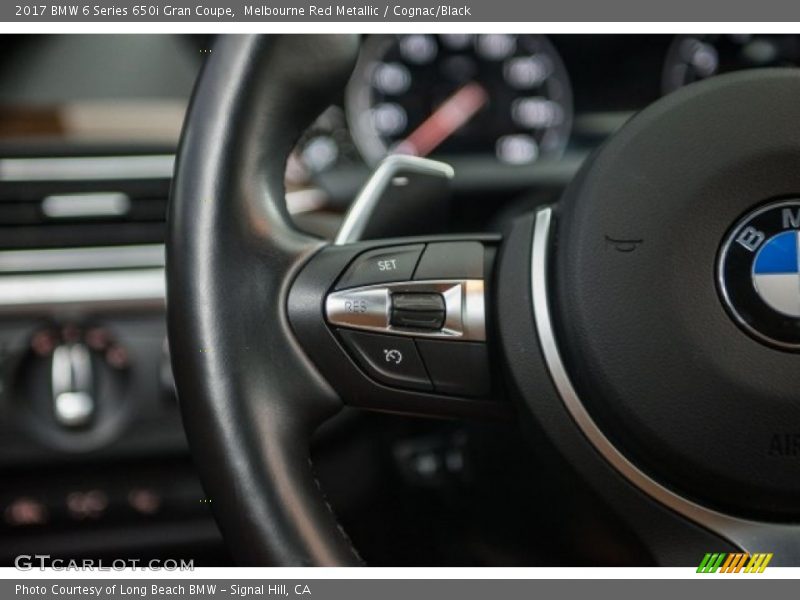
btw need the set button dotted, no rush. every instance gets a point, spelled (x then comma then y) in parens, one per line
(381, 266)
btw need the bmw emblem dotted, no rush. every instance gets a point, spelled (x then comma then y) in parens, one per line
(759, 273)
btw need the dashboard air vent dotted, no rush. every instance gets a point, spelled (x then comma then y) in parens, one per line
(83, 201)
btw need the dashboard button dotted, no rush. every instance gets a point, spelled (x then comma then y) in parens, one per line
(382, 265)
(451, 260)
(389, 359)
(457, 368)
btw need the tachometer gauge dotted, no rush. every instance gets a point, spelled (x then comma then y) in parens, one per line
(502, 96)
(695, 57)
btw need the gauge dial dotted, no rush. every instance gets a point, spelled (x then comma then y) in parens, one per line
(505, 96)
(696, 57)
(325, 145)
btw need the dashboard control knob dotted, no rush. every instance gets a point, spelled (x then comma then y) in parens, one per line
(72, 385)
(70, 388)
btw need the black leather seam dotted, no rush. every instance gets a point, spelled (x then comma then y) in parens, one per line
(333, 514)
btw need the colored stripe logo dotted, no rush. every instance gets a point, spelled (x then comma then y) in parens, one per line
(737, 562)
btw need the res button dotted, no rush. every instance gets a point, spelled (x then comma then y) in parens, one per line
(381, 266)
(358, 308)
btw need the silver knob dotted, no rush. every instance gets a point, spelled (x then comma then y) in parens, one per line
(71, 382)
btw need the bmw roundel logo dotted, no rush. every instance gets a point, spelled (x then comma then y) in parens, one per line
(759, 273)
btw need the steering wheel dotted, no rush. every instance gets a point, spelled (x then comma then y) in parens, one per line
(647, 325)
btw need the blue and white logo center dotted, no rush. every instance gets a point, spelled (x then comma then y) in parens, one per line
(776, 273)
(758, 274)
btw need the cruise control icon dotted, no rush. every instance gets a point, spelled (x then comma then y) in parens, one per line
(393, 356)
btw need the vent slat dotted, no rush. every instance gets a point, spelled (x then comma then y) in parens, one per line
(28, 218)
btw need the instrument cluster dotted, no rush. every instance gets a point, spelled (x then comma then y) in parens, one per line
(512, 100)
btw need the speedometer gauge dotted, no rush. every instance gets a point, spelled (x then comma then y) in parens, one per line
(695, 57)
(502, 96)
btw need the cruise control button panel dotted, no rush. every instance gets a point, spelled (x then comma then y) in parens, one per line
(389, 359)
(402, 326)
(414, 316)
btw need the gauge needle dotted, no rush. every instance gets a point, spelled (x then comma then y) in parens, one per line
(448, 118)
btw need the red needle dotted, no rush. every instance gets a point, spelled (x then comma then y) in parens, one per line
(448, 118)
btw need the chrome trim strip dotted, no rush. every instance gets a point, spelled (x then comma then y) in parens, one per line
(454, 297)
(85, 290)
(92, 168)
(82, 259)
(752, 536)
(474, 317)
(356, 219)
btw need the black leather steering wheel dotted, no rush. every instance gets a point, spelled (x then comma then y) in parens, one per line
(601, 318)
(250, 397)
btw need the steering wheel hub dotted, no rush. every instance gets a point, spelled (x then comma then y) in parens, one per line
(701, 401)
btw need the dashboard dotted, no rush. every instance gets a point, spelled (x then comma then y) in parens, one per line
(92, 454)
(494, 104)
